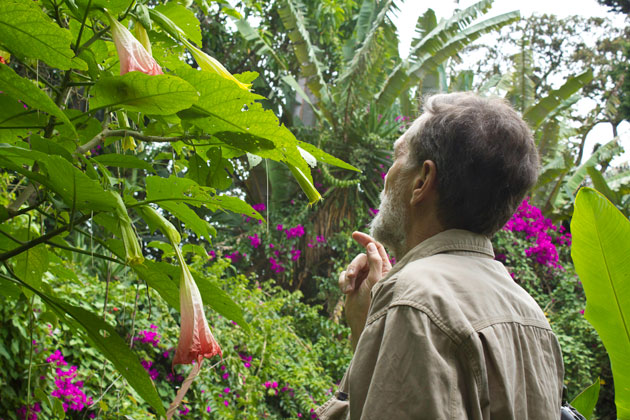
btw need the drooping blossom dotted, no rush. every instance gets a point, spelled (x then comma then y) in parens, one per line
(132, 55)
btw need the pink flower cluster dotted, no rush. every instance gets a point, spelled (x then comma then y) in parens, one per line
(35, 408)
(149, 336)
(254, 240)
(538, 229)
(68, 389)
(295, 232)
(276, 266)
(147, 365)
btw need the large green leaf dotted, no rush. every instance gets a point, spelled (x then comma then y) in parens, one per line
(601, 254)
(586, 401)
(445, 40)
(27, 31)
(224, 108)
(158, 95)
(539, 112)
(105, 338)
(15, 120)
(123, 161)
(605, 152)
(292, 14)
(27, 92)
(367, 39)
(324, 157)
(184, 18)
(76, 189)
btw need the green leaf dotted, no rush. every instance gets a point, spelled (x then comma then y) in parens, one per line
(75, 187)
(184, 18)
(123, 161)
(49, 147)
(156, 274)
(114, 6)
(587, 399)
(230, 109)
(159, 95)
(601, 254)
(218, 177)
(198, 169)
(26, 30)
(31, 265)
(15, 120)
(605, 152)
(324, 157)
(600, 184)
(173, 190)
(539, 112)
(27, 92)
(171, 194)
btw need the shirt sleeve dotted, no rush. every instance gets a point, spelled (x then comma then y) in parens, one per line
(410, 374)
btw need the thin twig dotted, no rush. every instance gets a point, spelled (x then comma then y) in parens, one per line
(82, 251)
(30, 244)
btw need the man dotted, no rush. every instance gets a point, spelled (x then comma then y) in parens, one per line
(446, 333)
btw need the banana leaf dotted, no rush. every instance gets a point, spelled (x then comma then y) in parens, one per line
(601, 254)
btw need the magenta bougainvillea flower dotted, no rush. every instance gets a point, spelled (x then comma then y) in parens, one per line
(132, 55)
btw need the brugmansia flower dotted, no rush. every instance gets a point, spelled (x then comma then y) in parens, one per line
(133, 251)
(132, 55)
(205, 62)
(211, 64)
(195, 339)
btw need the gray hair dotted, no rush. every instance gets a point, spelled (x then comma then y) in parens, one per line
(485, 156)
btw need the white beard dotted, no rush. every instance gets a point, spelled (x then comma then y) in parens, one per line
(390, 224)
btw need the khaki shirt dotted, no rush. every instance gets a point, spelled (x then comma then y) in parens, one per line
(450, 335)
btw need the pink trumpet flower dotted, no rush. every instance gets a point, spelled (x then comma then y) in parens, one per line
(132, 55)
(195, 339)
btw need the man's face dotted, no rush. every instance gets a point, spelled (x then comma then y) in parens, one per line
(391, 223)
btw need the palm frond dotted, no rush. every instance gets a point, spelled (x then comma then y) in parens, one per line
(294, 20)
(363, 57)
(537, 114)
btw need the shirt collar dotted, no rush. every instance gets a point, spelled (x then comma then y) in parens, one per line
(449, 241)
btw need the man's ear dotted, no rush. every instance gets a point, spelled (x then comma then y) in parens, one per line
(424, 183)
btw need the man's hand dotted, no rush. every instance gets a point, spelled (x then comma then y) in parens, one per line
(357, 281)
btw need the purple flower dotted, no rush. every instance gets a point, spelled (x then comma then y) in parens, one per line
(259, 207)
(212, 254)
(280, 228)
(276, 266)
(295, 254)
(234, 256)
(295, 232)
(255, 240)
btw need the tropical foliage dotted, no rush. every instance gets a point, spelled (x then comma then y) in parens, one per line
(156, 158)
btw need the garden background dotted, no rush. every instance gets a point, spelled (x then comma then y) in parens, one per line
(154, 155)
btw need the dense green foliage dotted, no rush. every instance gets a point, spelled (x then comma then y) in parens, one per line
(89, 302)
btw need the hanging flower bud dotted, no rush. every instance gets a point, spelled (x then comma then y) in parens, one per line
(133, 251)
(205, 62)
(212, 65)
(132, 55)
(143, 37)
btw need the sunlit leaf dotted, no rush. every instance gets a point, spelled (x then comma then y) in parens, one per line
(26, 30)
(184, 18)
(27, 92)
(160, 95)
(601, 254)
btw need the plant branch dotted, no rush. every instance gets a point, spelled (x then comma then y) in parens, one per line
(30, 244)
(82, 251)
(135, 134)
